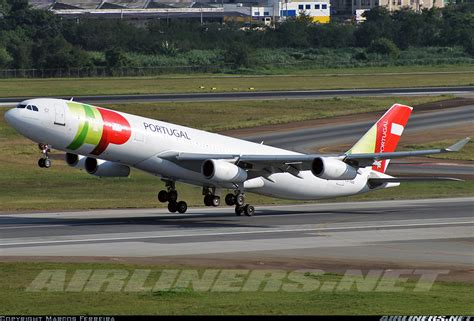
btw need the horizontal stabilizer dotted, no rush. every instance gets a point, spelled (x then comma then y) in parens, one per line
(410, 179)
(369, 158)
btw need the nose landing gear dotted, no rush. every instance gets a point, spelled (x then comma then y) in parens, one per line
(44, 161)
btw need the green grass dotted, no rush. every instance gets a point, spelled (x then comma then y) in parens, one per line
(444, 298)
(321, 79)
(24, 186)
(215, 116)
(466, 154)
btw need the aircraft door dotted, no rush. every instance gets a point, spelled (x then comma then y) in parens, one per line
(60, 114)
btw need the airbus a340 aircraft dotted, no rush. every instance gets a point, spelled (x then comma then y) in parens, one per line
(108, 143)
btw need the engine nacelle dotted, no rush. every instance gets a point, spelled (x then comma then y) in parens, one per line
(331, 168)
(222, 171)
(76, 161)
(102, 168)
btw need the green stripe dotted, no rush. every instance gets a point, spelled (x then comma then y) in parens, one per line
(82, 133)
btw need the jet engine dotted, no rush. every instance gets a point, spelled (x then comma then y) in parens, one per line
(333, 169)
(76, 161)
(103, 168)
(223, 171)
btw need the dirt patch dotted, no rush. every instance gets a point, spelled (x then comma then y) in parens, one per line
(456, 273)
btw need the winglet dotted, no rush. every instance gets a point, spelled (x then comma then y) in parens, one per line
(456, 147)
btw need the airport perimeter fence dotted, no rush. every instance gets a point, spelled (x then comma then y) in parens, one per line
(219, 68)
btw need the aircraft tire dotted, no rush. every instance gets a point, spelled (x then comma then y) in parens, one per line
(47, 163)
(208, 200)
(249, 210)
(239, 210)
(172, 207)
(215, 201)
(239, 199)
(230, 199)
(163, 196)
(172, 195)
(182, 207)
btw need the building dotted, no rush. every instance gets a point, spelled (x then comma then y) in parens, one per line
(319, 11)
(341, 7)
(212, 10)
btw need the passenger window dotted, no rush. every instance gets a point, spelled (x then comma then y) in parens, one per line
(34, 108)
(21, 106)
(28, 107)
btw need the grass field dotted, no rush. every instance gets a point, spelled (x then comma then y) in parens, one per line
(24, 186)
(321, 79)
(444, 298)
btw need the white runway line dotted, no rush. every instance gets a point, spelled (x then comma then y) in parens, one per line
(335, 229)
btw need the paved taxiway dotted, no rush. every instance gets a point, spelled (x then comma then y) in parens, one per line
(438, 232)
(261, 95)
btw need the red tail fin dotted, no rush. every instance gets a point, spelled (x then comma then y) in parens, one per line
(384, 135)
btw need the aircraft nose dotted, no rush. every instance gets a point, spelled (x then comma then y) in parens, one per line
(11, 115)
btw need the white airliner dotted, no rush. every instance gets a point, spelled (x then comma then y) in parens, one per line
(108, 143)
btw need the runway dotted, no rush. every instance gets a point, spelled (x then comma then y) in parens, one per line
(424, 232)
(258, 95)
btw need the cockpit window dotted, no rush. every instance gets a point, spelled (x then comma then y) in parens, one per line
(31, 107)
(21, 106)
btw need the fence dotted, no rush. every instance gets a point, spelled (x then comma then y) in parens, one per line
(220, 68)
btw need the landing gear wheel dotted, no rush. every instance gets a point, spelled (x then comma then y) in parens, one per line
(249, 210)
(163, 196)
(47, 163)
(230, 199)
(172, 195)
(182, 207)
(239, 210)
(239, 199)
(215, 201)
(172, 207)
(208, 200)
(41, 162)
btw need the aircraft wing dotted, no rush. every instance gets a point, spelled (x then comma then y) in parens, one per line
(303, 161)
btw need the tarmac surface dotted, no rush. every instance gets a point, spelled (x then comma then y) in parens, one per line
(424, 232)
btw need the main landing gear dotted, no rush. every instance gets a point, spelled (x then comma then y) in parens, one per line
(237, 199)
(171, 196)
(44, 161)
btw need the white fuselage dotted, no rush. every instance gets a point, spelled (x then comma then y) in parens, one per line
(152, 140)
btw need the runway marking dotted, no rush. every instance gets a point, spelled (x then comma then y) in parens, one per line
(239, 233)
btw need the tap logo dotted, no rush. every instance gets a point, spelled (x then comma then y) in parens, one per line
(98, 127)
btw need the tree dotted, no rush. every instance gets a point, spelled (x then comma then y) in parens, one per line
(238, 56)
(5, 58)
(384, 46)
(116, 58)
